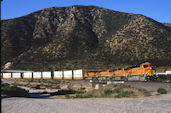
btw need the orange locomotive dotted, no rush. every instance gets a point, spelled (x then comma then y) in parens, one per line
(98, 74)
(146, 70)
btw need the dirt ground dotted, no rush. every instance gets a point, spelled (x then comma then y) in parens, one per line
(150, 86)
(154, 104)
(151, 104)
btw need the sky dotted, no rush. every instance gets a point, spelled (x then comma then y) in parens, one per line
(159, 10)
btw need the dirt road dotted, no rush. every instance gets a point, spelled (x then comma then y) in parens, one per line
(154, 104)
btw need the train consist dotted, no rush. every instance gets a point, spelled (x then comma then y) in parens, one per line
(143, 72)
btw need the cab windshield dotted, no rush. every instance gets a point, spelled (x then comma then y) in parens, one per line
(146, 66)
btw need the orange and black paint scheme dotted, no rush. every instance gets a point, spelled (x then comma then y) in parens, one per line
(145, 69)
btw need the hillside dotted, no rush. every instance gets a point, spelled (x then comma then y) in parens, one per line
(83, 37)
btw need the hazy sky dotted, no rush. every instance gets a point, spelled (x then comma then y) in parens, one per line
(159, 10)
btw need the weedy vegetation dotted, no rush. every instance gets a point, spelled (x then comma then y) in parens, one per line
(117, 91)
(161, 91)
(13, 91)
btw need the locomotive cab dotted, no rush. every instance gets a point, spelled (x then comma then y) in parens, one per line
(149, 71)
(147, 66)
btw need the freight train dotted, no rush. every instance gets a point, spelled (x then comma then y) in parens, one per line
(144, 71)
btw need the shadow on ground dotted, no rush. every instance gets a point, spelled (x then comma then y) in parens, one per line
(45, 95)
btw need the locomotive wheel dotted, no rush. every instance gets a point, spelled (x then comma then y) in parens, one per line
(148, 78)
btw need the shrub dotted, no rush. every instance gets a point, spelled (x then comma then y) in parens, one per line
(161, 91)
(118, 89)
(108, 91)
(142, 90)
(14, 91)
(78, 96)
(124, 94)
(82, 96)
(5, 85)
(67, 96)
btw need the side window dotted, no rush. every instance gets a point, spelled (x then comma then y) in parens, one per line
(145, 66)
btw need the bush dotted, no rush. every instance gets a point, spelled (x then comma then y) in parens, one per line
(4, 85)
(67, 96)
(124, 94)
(108, 91)
(118, 89)
(82, 96)
(14, 91)
(161, 91)
(78, 96)
(142, 90)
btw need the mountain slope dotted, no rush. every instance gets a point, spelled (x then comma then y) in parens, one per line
(83, 37)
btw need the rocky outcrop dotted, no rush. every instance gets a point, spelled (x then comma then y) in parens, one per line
(83, 37)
